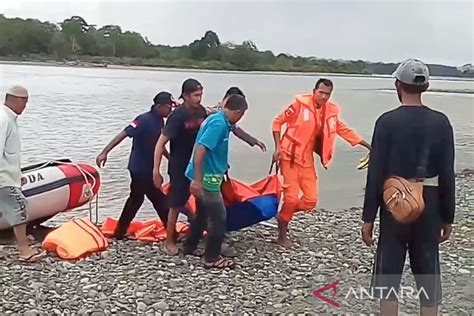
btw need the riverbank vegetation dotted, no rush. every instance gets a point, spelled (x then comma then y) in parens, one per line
(74, 40)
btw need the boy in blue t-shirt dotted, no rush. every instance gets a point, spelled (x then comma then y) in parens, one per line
(206, 170)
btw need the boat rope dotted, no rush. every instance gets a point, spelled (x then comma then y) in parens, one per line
(96, 210)
(88, 193)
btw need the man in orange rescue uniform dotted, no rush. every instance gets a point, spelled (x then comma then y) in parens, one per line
(312, 123)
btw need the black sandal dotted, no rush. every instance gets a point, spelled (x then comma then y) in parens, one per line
(220, 263)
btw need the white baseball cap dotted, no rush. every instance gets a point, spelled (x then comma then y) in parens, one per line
(17, 91)
(412, 72)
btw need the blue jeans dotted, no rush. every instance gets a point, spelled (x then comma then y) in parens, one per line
(211, 214)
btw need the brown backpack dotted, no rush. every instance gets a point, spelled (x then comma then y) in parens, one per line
(404, 197)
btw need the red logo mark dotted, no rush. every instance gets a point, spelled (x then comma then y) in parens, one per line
(318, 293)
(193, 124)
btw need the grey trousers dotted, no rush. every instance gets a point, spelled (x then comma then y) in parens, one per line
(211, 214)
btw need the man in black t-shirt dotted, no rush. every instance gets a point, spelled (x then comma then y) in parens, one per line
(181, 130)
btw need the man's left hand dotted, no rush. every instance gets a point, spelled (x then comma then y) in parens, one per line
(366, 145)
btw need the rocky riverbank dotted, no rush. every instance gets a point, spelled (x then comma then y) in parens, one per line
(132, 278)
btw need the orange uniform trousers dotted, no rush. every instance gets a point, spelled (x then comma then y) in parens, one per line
(296, 179)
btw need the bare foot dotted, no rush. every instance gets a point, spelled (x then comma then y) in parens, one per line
(285, 243)
(31, 239)
(170, 248)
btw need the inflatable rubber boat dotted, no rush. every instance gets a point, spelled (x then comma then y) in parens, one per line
(56, 186)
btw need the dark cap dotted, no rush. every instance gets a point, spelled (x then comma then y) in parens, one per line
(232, 91)
(189, 86)
(164, 98)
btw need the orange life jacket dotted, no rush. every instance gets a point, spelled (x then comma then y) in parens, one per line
(151, 230)
(300, 122)
(75, 239)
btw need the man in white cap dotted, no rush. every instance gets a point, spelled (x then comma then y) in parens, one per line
(12, 200)
(415, 144)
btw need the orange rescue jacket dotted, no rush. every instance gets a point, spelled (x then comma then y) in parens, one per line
(151, 230)
(300, 122)
(75, 239)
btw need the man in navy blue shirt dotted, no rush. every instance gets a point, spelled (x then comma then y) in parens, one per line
(415, 142)
(145, 131)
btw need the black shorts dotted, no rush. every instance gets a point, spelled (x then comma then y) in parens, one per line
(179, 193)
(421, 239)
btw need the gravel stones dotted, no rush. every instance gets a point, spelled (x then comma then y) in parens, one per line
(137, 278)
(160, 306)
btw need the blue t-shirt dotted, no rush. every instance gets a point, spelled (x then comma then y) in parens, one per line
(145, 131)
(214, 135)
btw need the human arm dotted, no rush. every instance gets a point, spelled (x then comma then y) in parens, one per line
(279, 121)
(363, 143)
(249, 139)
(213, 110)
(374, 184)
(173, 125)
(165, 153)
(160, 151)
(447, 179)
(237, 131)
(133, 129)
(350, 135)
(102, 157)
(196, 184)
(212, 135)
(276, 154)
(3, 134)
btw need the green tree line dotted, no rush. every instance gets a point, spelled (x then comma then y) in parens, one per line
(75, 39)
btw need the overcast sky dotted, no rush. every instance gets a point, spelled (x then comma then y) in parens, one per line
(376, 30)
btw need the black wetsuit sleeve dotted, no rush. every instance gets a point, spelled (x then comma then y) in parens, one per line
(375, 173)
(447, 176)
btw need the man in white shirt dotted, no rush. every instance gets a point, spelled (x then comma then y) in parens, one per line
(12, 201)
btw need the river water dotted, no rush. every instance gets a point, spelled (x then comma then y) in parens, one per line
(74, 112)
